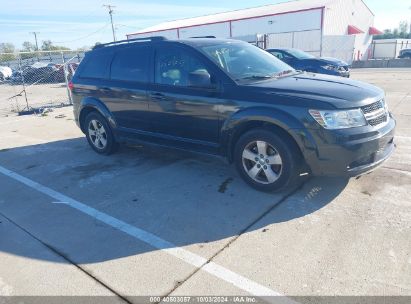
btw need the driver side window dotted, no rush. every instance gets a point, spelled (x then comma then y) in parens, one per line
(174, 65)
(278, 55)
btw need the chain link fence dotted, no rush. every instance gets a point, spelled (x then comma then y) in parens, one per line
(33, 81)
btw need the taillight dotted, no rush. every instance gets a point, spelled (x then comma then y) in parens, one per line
(71, 85)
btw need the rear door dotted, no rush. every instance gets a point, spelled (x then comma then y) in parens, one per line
(178, 110)
(126, 95)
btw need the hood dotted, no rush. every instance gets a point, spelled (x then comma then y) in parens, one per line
(339, 92)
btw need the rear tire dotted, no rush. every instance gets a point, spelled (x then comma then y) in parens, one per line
(267, 161)
(99, 134)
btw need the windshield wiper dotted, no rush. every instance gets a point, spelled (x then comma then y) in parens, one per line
(276, 75)
(257, 77)
(284, 73)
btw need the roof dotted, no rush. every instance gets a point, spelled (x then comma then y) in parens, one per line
(266, 10)
(196, 42)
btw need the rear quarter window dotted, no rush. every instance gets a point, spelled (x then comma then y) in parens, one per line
(131, 64)
(96, 66)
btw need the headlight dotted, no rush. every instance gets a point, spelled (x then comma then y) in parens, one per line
(334, 120)
(330, 67)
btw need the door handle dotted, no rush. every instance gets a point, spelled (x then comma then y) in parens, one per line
(157, 96)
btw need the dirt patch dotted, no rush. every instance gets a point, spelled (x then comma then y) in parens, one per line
(31, 167)
(366, 193)
(224, 185)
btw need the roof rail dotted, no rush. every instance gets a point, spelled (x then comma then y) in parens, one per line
(154, 38)
(204, 37)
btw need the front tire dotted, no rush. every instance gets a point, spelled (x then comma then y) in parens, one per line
(267, 161)
(99, 134)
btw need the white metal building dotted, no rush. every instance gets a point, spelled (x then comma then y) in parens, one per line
(337, 28)
(389, 48)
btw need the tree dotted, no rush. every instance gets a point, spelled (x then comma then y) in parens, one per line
(398, 33)
(404, 29)
(7, 47)
(47, 45)
(7, 51)
(28, 46)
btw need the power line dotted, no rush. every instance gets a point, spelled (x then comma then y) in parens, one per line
(110, 11)
(83, 37)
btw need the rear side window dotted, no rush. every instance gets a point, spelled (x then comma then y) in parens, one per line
(96, 66)
(131, 64)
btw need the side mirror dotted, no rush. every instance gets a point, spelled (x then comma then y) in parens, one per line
(199, 79)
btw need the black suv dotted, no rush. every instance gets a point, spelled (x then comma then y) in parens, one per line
(229, 98)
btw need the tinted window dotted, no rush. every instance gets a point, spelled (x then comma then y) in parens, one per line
(96, 66)
(173, 66)
(131, 64)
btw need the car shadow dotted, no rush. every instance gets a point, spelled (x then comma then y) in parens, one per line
(184, 198)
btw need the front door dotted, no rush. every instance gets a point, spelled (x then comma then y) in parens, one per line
(178, 110)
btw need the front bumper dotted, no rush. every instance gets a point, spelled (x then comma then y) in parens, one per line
(351, 152)
(342, 72)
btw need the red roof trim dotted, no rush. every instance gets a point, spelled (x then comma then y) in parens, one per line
(230, 20)
(374, 31)
(353, 30)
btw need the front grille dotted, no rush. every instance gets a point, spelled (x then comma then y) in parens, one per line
(372, 107)
(379, 120)
(375, 113)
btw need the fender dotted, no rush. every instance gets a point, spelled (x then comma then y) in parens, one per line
(89, 103)
(269, 117)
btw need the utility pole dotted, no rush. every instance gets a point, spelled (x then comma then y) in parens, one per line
(35, 38)
(110, 11)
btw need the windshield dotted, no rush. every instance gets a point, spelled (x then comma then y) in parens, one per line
(243, 61)
(300, 54)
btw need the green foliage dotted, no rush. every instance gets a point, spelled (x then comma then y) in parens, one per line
(7, 52)
(28, 47)
(47, 45)
(402, 32)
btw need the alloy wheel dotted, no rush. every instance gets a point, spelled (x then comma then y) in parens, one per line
(262, 162)
(97, 134)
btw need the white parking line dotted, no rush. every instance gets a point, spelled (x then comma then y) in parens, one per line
(155, 241)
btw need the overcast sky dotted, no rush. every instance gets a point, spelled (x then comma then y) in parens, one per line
(78, 23)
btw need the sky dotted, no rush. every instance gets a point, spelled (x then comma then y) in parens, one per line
(78, 23)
